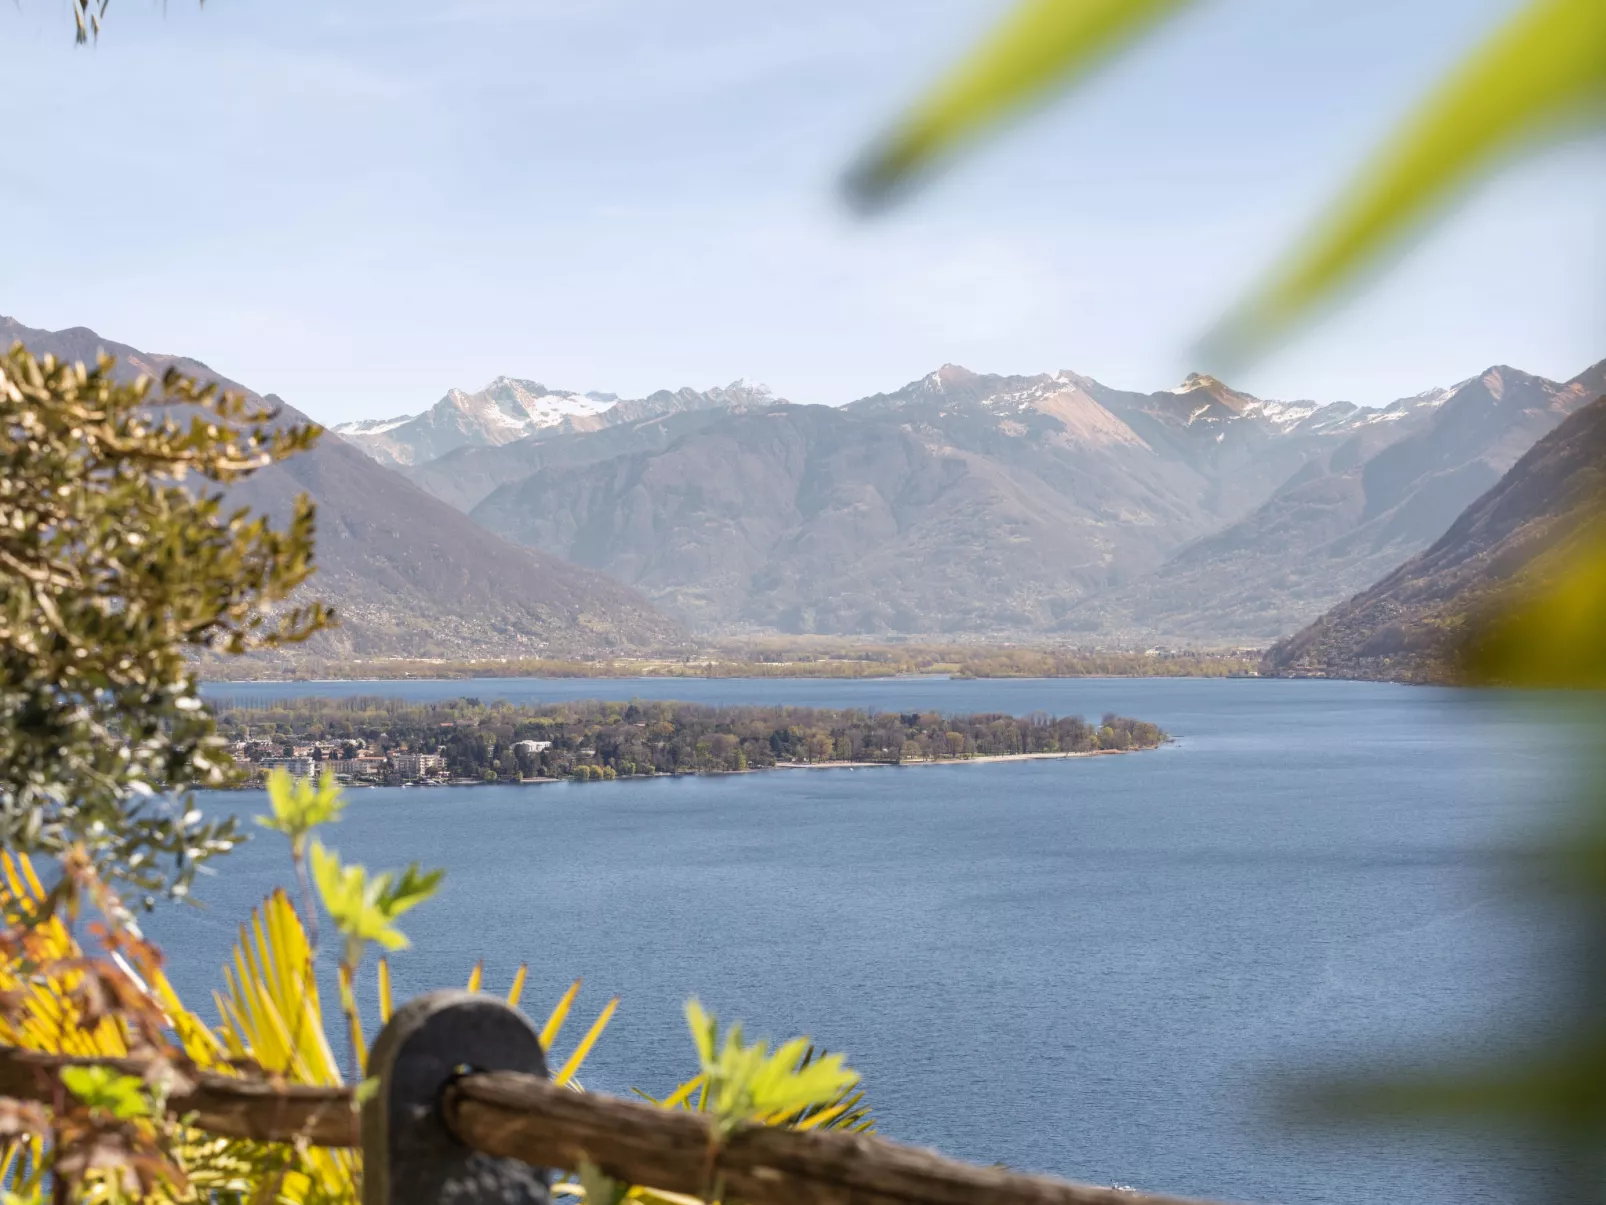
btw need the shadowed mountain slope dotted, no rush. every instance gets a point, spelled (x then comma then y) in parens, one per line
(1406, 626)
(409, 574)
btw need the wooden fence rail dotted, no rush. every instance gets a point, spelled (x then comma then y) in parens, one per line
(474, 1119)
(524, 1117)
(219, 1104)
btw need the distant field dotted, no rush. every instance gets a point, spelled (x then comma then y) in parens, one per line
(779, 659)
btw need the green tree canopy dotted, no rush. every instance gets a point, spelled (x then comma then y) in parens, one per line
(120, 558)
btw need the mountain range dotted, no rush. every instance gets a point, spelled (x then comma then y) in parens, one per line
(509, 409)
(1048, 505)
(519, 518)
(1347, 517)
(1513, 539)
(409, 575)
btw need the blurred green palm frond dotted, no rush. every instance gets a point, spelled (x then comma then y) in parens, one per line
(1042, 45)
(1548, 631)
(1543, 68)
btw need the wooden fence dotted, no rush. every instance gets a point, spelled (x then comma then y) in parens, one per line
(465, 1115)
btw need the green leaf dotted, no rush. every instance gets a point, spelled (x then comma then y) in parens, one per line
(750, 1083)
(598, 1187)
(1547, 64)
(363, 906)
(413, 888)
(299, 806)
(107, 1090)
(704, 1030)
(1551, 632)
(1041, 45)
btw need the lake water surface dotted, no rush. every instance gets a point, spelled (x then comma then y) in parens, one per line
(1102, 968)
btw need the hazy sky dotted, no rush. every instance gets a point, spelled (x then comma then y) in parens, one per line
(360, 206)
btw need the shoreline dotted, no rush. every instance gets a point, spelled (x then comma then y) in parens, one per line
(785, 765)
(938, 761)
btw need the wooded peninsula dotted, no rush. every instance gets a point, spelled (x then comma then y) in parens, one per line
(372, 738)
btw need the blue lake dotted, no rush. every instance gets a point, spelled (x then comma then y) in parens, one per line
(1106, 969)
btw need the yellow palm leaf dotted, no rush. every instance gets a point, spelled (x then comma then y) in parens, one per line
(385, 1000)
(560, 1012)
(571, 1066)
(46, 1018)
(272, 1013)
(682, 1094)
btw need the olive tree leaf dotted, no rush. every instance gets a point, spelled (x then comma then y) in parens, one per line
(120, 561)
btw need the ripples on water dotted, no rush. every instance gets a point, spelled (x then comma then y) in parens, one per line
(1097, 968)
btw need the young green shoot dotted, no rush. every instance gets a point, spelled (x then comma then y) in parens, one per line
(299, 806)
(750, 1083)
(104, 1090)
(363, 907)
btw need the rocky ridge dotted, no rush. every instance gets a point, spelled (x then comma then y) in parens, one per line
(510, 409)
(1515, 537)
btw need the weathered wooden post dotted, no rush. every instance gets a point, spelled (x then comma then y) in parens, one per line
(409, 1156)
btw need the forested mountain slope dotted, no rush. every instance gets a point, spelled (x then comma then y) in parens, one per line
(409, 574)
(1406, 626)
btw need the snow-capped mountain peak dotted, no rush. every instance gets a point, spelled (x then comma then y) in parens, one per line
(513, 408)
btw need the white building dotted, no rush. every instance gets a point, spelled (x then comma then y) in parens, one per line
(373, 767)
(299, 766)
(417, 765)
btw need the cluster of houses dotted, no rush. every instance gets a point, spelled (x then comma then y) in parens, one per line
(314, 758)
(352, 761)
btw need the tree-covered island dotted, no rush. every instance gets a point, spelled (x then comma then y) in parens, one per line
(376, 739)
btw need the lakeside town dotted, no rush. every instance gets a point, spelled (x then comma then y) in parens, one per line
(382, 741)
